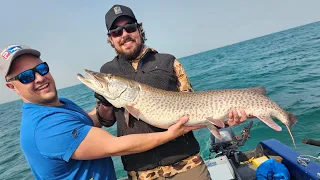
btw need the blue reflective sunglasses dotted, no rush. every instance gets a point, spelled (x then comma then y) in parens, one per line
(29, 75)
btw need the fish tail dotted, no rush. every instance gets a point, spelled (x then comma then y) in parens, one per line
(292, 119)
(291, 136)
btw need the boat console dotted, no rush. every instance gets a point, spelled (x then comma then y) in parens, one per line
(227, 161)
(230, 163)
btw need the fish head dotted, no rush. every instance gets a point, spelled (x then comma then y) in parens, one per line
(114, 88)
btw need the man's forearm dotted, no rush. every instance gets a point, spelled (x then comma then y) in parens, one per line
(136, 143)
(99, 143)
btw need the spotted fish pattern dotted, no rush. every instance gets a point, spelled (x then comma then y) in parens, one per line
(162, 108)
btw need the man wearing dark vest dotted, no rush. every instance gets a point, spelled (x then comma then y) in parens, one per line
(177, 159)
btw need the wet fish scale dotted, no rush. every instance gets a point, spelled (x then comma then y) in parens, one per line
(188, 103)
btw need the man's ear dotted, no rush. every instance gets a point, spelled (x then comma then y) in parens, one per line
(110, 39)
(10, 85)
(140, 30)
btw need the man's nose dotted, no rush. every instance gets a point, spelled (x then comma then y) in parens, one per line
(38, 77)
(124, 32)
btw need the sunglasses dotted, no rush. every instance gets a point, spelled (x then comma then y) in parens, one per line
(29, 75)
(130, 28)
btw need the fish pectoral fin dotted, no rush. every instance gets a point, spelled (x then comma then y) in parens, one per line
(130, 109)
(214, 131)
(126, 116)
(133, 111)
(217, 122)
(259, 89)
(269, 121)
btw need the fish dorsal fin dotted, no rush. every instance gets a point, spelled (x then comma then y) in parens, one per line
(259, 89)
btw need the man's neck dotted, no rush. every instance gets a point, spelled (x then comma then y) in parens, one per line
(141, 52)
(135, 62)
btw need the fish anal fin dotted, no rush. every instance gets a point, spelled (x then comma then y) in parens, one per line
(217, 122)
(268, 121)
(259, 89)
(214, 131)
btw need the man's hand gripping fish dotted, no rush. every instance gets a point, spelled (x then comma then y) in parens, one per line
(163, 108)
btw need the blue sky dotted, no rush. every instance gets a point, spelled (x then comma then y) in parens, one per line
(71, 35)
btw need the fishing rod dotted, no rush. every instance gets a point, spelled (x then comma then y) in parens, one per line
(311, 142)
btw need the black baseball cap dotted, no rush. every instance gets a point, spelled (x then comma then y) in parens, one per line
(118, 11)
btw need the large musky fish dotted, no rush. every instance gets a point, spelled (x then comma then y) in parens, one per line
(163, 108)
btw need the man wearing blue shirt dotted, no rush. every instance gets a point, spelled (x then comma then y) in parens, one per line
(57, 137)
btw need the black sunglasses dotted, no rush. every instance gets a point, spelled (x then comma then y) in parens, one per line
(29, 75)
(130, 28)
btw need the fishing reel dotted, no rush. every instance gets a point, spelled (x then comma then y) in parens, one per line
(229, 143)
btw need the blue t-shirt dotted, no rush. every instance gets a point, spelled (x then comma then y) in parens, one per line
(48, 137)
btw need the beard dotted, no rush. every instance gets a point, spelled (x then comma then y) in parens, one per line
(130, 54)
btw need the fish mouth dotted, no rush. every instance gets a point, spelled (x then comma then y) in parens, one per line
(92, 80)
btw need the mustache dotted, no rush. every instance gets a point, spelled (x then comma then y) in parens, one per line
(126, 39)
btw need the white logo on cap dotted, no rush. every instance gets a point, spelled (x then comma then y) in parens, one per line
(117, 10)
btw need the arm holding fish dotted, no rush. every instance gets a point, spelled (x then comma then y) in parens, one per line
(99, 143)
(184, 85)
(102, 114)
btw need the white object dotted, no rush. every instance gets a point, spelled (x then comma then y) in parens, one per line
(220, 168)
